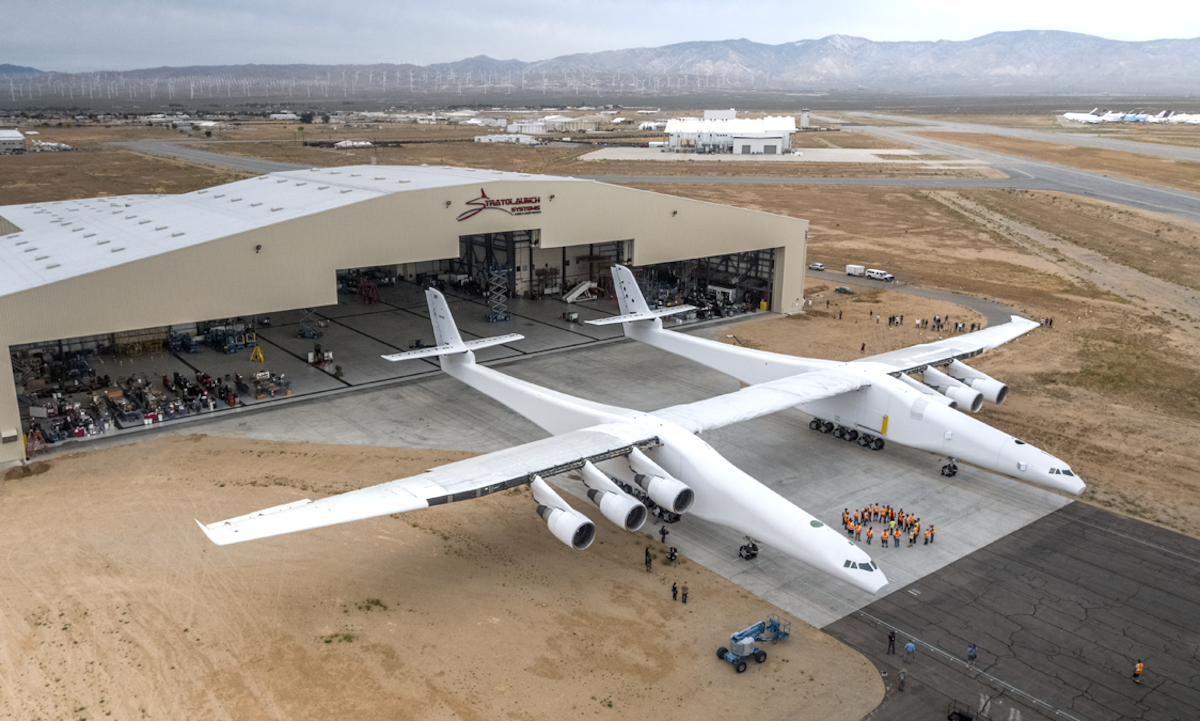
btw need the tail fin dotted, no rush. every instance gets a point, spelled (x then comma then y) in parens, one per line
(633, 303)
(445, 333)
(629, 295)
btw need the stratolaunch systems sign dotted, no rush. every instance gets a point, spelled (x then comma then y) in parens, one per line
(512, 206)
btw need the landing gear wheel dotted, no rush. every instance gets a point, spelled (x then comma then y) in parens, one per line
(721, 652)
(827, 427)
(838, 432)
(814, 425)
(760, 656)
(877, 445)
(851, 435)
(865, 441)
(741, 667)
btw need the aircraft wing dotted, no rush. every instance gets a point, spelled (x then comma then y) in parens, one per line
(918, 357)
(762, 399)
(459, 481)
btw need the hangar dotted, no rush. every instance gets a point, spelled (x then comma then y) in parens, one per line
(124, 274)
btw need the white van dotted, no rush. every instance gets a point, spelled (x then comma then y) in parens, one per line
(877, 274)
(854, 270)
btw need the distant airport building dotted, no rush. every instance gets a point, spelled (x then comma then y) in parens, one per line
(721, 131)
(284, 116)
(11, 141)
(514, 138)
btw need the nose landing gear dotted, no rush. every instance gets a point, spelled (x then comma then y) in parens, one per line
(950, 469)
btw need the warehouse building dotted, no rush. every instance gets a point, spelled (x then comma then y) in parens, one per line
(95, 291)
(721, 132)
(11, 142)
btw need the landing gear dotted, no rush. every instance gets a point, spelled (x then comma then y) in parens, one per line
(749, 551)
(950, 469)
(869, 441)
(847, 434)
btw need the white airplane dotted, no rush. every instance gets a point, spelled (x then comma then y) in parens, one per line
(1092, 117)
(886, 403)
(626, 458)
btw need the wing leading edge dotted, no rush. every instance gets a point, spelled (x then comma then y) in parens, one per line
(459, 481)
(762, 399)
(918, 357)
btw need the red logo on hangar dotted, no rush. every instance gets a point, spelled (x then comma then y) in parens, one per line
(512, 206)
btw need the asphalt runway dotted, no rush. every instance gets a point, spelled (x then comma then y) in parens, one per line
(173, 149)
(1070, 137)
(1060, 611)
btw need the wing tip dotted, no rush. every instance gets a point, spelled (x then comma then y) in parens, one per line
(209, 534)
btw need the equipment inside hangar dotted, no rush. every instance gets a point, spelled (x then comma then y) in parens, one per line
(324, 273)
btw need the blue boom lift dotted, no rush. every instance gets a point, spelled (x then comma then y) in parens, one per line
(741, 644)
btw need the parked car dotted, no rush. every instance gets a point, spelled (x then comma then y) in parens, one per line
(816, 266)
(843, 290)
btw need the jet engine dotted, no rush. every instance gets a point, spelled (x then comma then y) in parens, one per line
(568, 525)
(992, 389)
(670, 493)
(955, 390)
(929, 392)
(615, 505)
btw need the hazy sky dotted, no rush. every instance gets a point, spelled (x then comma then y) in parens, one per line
(83, 35)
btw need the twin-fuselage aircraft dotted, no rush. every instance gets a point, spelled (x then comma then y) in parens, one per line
(631, 460)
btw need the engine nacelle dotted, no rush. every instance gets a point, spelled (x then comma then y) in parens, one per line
(571, 527)
(671, 494)
(955, 390)
(616, 505)
(568, 525)
(929, 392)
(623, 510)
(992, 389)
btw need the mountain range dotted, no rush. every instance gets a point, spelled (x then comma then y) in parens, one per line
(1002, 63)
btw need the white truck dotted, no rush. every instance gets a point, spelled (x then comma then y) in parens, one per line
(858, 270)
(876, 274)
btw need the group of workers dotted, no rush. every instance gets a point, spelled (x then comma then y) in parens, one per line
(895, 524)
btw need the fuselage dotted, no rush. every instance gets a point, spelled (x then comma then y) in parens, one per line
(724, 494)
(887, 408)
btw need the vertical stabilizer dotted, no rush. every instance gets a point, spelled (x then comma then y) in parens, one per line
(445, 332)
(629, 295)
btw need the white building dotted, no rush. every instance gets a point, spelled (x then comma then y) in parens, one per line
(284, 116)
(720, 131)
(11, 141)
(514, 138)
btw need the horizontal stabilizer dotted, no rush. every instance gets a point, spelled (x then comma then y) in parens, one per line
(441, 350)
(644, 315)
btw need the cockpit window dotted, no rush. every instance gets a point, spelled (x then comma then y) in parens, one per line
(847, 564)
(815, 524)
(866, 567)
(1053, 471)
(1018, 441)
(1067, 472)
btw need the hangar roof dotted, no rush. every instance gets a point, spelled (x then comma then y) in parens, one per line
(68, 238)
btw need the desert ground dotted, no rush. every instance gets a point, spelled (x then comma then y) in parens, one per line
(103, 618)
(120, 607)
